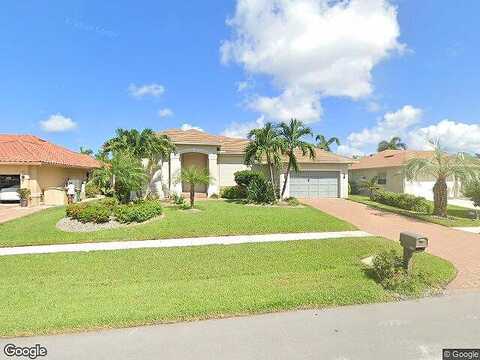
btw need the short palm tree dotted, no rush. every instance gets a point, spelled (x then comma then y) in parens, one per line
(370, 186)
(194, 176)
(264, 145)
(441, 167)
(291, 136)
(324, 143)
(395, 143)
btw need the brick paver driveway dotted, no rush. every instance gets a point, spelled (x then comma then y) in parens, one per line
(459, 247)
(14, 211)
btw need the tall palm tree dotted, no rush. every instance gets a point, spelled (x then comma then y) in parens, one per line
(264, 145)
(395, 143)
(86, 151)
(324, 143)
(442, 166)
(292, 135)
(194, 176)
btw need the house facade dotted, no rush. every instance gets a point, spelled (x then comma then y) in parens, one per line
(324, 176)
(389, 167)
(27, 161)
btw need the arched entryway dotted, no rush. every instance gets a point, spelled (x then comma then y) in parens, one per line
(194, 159)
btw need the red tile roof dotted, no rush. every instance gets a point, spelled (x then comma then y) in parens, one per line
(29, 149)
(389, 158)
(230, 145)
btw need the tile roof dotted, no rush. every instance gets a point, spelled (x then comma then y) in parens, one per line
(30, 149)
(230, 145)
(389, 158)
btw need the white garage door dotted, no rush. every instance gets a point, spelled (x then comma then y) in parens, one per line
(314, 184)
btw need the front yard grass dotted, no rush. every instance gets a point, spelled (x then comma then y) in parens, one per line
(457, 216)
(44, 294)
(215, 218)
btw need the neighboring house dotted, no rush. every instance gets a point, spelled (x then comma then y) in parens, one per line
(389, 167)
(27, 161)
(324, 176)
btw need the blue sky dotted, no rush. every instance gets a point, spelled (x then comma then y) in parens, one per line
(78, 64)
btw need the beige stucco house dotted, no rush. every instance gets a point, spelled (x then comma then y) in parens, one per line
(324, 176)
(389, 167)
(27, 161)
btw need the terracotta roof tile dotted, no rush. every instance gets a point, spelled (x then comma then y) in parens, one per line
(30, 149)
(230, 145)
(389, 158)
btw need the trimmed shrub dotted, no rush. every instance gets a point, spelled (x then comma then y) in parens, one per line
(243, 178)
(109, 202)
(403, 201)
(261, 191)
(292, 201)
(233, 192)
(138, 212)
(73, 210)
(389, 272)
(92, 190)
(94, 213)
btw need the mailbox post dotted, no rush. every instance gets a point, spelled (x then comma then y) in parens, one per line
(411, 243)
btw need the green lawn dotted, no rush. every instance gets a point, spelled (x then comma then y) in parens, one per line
(41, 294)
(457, 216)
(216, 217)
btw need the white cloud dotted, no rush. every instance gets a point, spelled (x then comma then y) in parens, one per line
(139, 91)
(373, 106)
(242, 85)
(186, 127)
(58, 123)
(454, 136)
(165, 112)
(311, 49)
(241, 130)
(392, 124)
(347, 150)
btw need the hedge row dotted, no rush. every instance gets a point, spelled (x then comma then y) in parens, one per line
(107, 209)
(403, 201)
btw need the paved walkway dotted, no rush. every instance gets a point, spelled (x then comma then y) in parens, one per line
(459, 247)
(407, 330)
(166, 243)
(9, 212)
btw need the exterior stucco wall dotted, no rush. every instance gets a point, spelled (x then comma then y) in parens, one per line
(425, 188)
(39, 178)
(228, 165)
(197, 160)
(395, 177)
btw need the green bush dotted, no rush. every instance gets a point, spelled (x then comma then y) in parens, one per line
(261, 191)
(73, 210)
(138, 212)
(292, 201)
(243, 178)
(233, 192)
(353, 187)
(95, 213)
(388, 270)
(92, 190)
(403, 201)
(109, 202)
(177, 199)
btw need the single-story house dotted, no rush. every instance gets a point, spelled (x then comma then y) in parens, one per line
(324, 176)
(27, 161)
(389, 166)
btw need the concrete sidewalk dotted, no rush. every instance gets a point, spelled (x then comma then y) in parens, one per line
(166, 243)
(408, 330)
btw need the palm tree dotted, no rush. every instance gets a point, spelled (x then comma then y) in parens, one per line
(291, 135)
(144, 145)
(86, 151)
(371, 186)
(264, 145)
(442, 166)
(324, 143)
(194, 176)
(395, 143)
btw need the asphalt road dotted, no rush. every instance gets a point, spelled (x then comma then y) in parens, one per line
(416, 330)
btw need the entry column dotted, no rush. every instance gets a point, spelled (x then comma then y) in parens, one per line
(213, 172)
(175, 170)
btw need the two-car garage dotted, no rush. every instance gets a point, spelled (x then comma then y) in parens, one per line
(315, 184)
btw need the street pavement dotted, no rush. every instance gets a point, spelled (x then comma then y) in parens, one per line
(416, 330)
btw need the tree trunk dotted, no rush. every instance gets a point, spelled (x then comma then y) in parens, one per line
(440, 195)
(286, 178)
(192, 195)
(272, 178)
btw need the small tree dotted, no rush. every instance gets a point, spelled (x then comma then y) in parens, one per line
(371, 186)
(472, 191)
(194, 176)
(325, 143)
